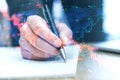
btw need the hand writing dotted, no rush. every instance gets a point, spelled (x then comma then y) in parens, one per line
(37, 40)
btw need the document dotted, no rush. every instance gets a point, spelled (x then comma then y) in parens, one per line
(12, 65)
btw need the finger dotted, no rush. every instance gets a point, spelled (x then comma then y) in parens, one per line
(40, 28)
(31, 51)
(28, 55)
(65, 33)
(35, 41)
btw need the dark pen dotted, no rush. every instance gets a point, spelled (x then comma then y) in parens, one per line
(54, 29)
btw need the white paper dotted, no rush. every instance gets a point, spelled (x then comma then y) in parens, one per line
(12, 65)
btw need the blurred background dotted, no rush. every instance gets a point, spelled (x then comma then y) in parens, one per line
(5, 35)
(90, 21)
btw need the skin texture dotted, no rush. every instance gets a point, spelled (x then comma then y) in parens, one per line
(38, 42)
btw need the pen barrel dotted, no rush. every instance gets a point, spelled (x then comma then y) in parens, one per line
(53, 27)
(51, 22)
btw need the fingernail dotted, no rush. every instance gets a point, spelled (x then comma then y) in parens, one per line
(65, 39)
(57, 43)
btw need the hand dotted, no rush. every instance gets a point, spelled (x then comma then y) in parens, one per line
(38, 42)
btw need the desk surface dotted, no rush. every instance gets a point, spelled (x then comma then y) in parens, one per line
(105, 66)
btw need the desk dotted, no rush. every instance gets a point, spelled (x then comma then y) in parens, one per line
(105, 67)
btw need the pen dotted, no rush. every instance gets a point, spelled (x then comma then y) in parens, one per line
(54, 30)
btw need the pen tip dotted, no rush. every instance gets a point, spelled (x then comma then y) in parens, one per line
(64, 60)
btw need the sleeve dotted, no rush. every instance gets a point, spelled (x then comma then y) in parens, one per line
(25, 7)
(84, 16)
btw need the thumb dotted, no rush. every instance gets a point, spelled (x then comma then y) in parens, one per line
(65, 33)
(66, 39)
